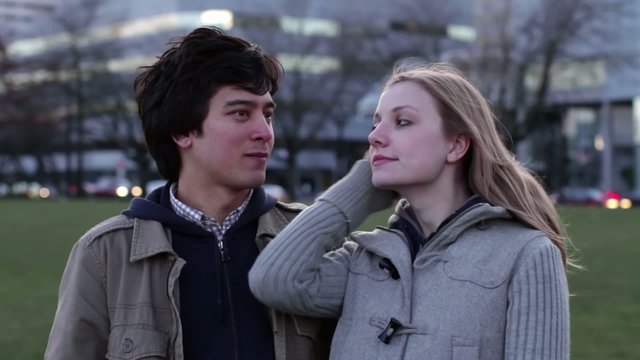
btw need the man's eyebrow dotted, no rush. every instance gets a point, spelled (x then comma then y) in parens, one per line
(252, 103)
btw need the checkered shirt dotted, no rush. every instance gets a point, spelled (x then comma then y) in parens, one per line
(207, 222)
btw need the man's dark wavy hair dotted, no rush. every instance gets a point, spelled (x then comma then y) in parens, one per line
(173, 94)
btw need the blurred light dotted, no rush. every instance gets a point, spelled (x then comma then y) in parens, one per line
(569, 75)
(122, 191)
(220, 18)
(139, 27)
(612, 203)
(461, 33)
(625, 204)
(136, 191)
(314, 64)
(32, 193)
(310, 26)
(598, 142)
(123, 30)
(44, 193)
(127, 64)
(610, 194)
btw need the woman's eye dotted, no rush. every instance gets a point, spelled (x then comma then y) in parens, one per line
(403, 122)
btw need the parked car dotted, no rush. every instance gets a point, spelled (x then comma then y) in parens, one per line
(614, 200)
(580, 195)
(5, 190)
(591, 196)
(109, 186)
(29, 189)
(634, 197)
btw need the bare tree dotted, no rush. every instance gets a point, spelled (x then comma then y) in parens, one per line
(125, 133)
(73, 66)
(22, 129)
(325, 75)
(68, 88)
(520, 43)
(423, 30)
(80, 83)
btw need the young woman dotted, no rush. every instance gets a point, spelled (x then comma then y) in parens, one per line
(472, 263)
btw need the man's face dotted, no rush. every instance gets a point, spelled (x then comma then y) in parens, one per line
(235, 143)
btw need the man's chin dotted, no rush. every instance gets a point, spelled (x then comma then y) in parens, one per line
(254, 182)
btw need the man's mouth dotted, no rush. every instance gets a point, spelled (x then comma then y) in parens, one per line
(258, 154)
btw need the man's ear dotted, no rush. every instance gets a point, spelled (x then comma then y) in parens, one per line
(183, 141)
(458, 148)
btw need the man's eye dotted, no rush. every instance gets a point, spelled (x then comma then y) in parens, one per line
(242, 113)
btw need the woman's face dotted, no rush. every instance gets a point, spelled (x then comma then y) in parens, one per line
(409, 148)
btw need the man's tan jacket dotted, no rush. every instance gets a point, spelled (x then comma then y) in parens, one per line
(119, 296)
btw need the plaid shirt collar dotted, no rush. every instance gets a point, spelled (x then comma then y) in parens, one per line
(198, 217)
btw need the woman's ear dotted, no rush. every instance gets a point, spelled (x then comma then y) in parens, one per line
(458, 148)
(183, 141)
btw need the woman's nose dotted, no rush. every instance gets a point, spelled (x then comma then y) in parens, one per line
(376, 136)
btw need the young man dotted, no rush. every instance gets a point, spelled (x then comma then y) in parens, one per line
(168, 277)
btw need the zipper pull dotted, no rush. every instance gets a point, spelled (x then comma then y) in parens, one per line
(223, 254)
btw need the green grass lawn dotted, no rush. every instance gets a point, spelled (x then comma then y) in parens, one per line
(36, 237)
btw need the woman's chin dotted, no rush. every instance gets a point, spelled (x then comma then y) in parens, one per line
(382, 184)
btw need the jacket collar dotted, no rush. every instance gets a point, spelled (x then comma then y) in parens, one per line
(269, 225)
(153, 219)
(475, 215)
(149, 238)
(386, 242)
(152, 238)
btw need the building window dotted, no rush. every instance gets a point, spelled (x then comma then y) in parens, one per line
(314, 64)
(310, 26)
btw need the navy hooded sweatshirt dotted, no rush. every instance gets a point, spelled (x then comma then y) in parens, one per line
(220, 317)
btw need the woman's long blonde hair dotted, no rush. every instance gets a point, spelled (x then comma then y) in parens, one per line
(492, 169)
